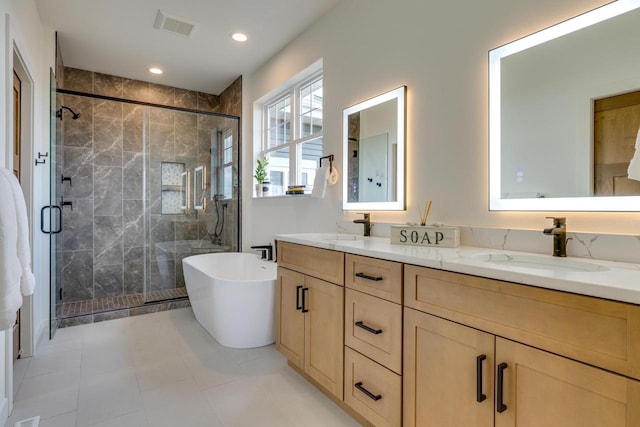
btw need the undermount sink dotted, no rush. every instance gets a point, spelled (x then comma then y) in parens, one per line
(539, 262)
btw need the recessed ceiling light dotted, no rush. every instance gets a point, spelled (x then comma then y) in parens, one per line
(155, 70)
(239, 37)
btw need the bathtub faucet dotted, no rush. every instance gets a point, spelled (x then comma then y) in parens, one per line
(266, 250)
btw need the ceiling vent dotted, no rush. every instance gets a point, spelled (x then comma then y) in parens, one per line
(173, 24)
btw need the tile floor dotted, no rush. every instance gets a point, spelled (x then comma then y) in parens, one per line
(162, 369)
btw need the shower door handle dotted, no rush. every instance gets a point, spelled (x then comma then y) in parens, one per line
(51, 208)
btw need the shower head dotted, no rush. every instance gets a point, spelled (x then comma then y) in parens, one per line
(74, 115)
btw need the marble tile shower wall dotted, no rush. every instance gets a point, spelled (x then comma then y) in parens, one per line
(103, 244)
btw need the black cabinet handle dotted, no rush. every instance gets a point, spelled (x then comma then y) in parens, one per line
(500, 406)
(360, 387)
(368, 329)
(366, 276)
(298, 306)
(480, 397)
(304, 292)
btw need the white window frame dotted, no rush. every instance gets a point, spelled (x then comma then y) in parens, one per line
(295, 154)
(222, 166)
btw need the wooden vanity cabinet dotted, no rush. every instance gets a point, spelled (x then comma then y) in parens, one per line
(463, 366)
(462, 350)
(310, 314)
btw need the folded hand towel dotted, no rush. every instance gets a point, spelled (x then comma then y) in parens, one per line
(320, 183)
(634, 166)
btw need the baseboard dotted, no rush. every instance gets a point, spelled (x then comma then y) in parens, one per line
(4, 411)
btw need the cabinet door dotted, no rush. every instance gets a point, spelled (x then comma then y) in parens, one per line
(441, 362)
(290, 319)
(545, 390)
(324, 336)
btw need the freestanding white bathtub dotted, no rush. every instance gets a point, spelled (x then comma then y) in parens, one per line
(233, 297)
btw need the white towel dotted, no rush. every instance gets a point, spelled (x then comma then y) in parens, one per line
(320, 183)
(16, 278)
(634, 166)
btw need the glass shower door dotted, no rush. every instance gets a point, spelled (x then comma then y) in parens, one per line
(54, 221)
(191, 188)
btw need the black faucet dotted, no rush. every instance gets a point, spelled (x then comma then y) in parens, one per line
(266, 251)
(366, 221)
(559, 233)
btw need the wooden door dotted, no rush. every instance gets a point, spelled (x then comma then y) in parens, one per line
(324, 334)
(290, 320)
(440, 373)
(615, 129)
(545, 390)
(17, 123)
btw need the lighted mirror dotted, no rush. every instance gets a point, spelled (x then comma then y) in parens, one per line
(199, 188)
(564, 115)
(373, 153)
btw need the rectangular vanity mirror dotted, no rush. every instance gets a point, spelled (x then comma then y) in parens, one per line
(373, 153)
(564, 117)
(199, 188)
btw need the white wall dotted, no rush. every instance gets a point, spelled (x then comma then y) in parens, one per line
(440, 51)
(22, 30)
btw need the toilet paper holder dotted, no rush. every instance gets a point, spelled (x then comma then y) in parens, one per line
(330, 157)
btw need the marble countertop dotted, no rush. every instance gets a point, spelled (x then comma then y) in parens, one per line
(606, 279)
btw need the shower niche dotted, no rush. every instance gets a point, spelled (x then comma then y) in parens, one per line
(173, 192)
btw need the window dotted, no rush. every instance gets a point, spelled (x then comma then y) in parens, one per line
(292, 135)
(226, 165)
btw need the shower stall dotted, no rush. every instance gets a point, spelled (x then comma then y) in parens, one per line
(140, 187)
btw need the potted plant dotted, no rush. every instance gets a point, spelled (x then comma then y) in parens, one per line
(260, 175)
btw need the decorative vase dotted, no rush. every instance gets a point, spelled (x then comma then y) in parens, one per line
(258, 190)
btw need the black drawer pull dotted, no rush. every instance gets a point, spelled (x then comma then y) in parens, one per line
(375, 397)
(298, 305)
(366, 276)
(500, 406)
(304, 309)
(480, 397)
(368, 329)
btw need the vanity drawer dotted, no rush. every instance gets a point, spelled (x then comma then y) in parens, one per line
(372, 390)
(321, 263)
(373, 327)
(596, 331)
(374, 276)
